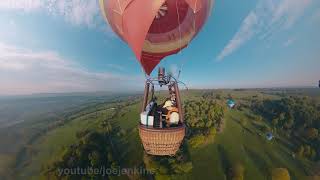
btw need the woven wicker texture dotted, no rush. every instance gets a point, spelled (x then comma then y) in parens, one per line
(161, 142)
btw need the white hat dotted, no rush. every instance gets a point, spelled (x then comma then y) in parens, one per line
(167, 104)
(174, 118)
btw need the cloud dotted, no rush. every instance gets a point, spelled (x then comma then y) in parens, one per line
(268, 17)
(289, 42)
(23, 71)
(25, 5)
(243, 35)
(77, 12)
(116, 67)
(316, 17)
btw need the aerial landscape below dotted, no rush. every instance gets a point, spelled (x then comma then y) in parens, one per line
(101, 131)
(160, 90)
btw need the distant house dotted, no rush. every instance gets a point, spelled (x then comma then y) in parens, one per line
(231, 103)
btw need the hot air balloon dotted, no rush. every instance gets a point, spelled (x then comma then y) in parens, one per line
(269, 136)
(155, 29)
(231, 103)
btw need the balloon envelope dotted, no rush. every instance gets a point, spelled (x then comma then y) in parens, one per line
(155, 29)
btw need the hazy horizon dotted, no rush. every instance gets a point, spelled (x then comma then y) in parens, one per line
(45, 94)
(65, 46)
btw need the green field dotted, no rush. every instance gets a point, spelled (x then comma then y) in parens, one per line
(236, 144)
(240, 141)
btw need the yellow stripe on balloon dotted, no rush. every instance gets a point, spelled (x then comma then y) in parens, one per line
(168, 46)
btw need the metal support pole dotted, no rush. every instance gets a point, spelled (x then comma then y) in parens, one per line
(179, 103)
(145, 96)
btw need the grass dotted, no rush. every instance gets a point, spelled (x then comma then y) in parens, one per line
(245, 145)
(49, 146)
(6, 162)
(239, 142)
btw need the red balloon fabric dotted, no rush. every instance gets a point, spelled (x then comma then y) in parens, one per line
(155, 29)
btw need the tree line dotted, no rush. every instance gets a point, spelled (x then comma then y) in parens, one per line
(298, 118)
(203, 118)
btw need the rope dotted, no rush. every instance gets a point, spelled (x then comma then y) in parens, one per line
(179, 25)
(180, 70)
(120, 7)
(180, 36)
(194, 29)
(194, 21)
(180, 82)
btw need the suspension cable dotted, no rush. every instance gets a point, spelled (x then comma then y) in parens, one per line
(180, 35)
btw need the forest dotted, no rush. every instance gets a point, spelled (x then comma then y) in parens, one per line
(297, 118)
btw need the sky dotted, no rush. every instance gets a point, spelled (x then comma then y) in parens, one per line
(55, 46)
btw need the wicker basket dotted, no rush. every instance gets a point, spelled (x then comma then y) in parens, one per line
(161, 142)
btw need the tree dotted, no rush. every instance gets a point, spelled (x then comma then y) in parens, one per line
(203, 114)
(311, 133)
(307, 150)
(300, 151)
(265, 128)
(313, 154)
(275, 122)
(282, 116)
(212, 133)
(91, 150)
(182, 167)
(289, 123)
(236, 172)
(197, 141)
(218, 96)
(280, 174)
(259, 119)
(94, 159)
(243, 122)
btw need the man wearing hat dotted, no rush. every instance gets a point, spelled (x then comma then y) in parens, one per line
(172, 113)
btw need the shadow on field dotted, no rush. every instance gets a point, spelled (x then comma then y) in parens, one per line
(259, 162)
(245, 128)
(225, 162)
